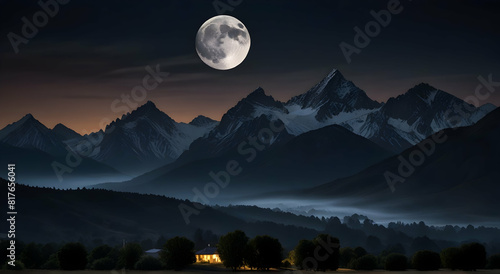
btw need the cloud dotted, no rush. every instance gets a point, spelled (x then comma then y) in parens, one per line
(85, 97)
(174, 64)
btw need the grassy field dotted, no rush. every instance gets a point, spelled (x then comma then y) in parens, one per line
(203, 270)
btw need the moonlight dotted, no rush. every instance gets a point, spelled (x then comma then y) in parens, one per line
(222, 42)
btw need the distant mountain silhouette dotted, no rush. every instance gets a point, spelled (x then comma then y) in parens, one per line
(36, 167)
(236, 125)
(148, 142)
(306, 160)
(30, 133)
(147, 138)
(411, 117)
(457, 181)
(41, 153)
(201, 120)
(64, 133)
(332, 96)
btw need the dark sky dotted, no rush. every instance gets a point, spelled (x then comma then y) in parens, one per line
(92, 52)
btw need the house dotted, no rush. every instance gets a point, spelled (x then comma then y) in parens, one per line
(155, 252)
(208, 255)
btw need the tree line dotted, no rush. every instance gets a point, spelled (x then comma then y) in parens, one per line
(238, 251)
(81, 221)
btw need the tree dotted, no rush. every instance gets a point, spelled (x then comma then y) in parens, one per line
(129, 255)
(347, 255)
(303, 251)
(178, 253)
(232, 248)
(32, 256)
(396, 262)
(148, 263)
(51, 263)
(99, 252)
(327, 251)
(250, 257)
(321, 253)
(105, 263)
(289, 259)
(473, 255)
(49, 251)
(426, 260)
(494, 262)
(72, 256)
(365, 262)
(266, 252)
(423, 243)
(395, 248)
(360, 252)
(18, 265)
(451, 258)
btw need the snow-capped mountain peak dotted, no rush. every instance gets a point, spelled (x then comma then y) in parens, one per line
(333, 96)
(148, 109)
(424, 92)
(147, 113)
(333, 80)
(247, 108)
(28, 118)
(28, 132)
(409, 118)
(259, 98)
(147, 138)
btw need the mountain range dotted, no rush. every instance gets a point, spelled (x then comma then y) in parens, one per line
(44, 159)
(450, 176)
(332, 131)
(147, 138)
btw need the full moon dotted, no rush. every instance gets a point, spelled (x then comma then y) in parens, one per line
(222, 42)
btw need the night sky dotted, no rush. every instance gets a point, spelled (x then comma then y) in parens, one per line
(91, 52)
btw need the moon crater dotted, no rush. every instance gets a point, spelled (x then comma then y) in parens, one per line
(222, 42)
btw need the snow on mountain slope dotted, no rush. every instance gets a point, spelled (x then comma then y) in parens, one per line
(418, 113)
(187, 133)
(333, 96)
(398, 124)
(28, 132)
(147, 138)
(245, 119)
(334, 100)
